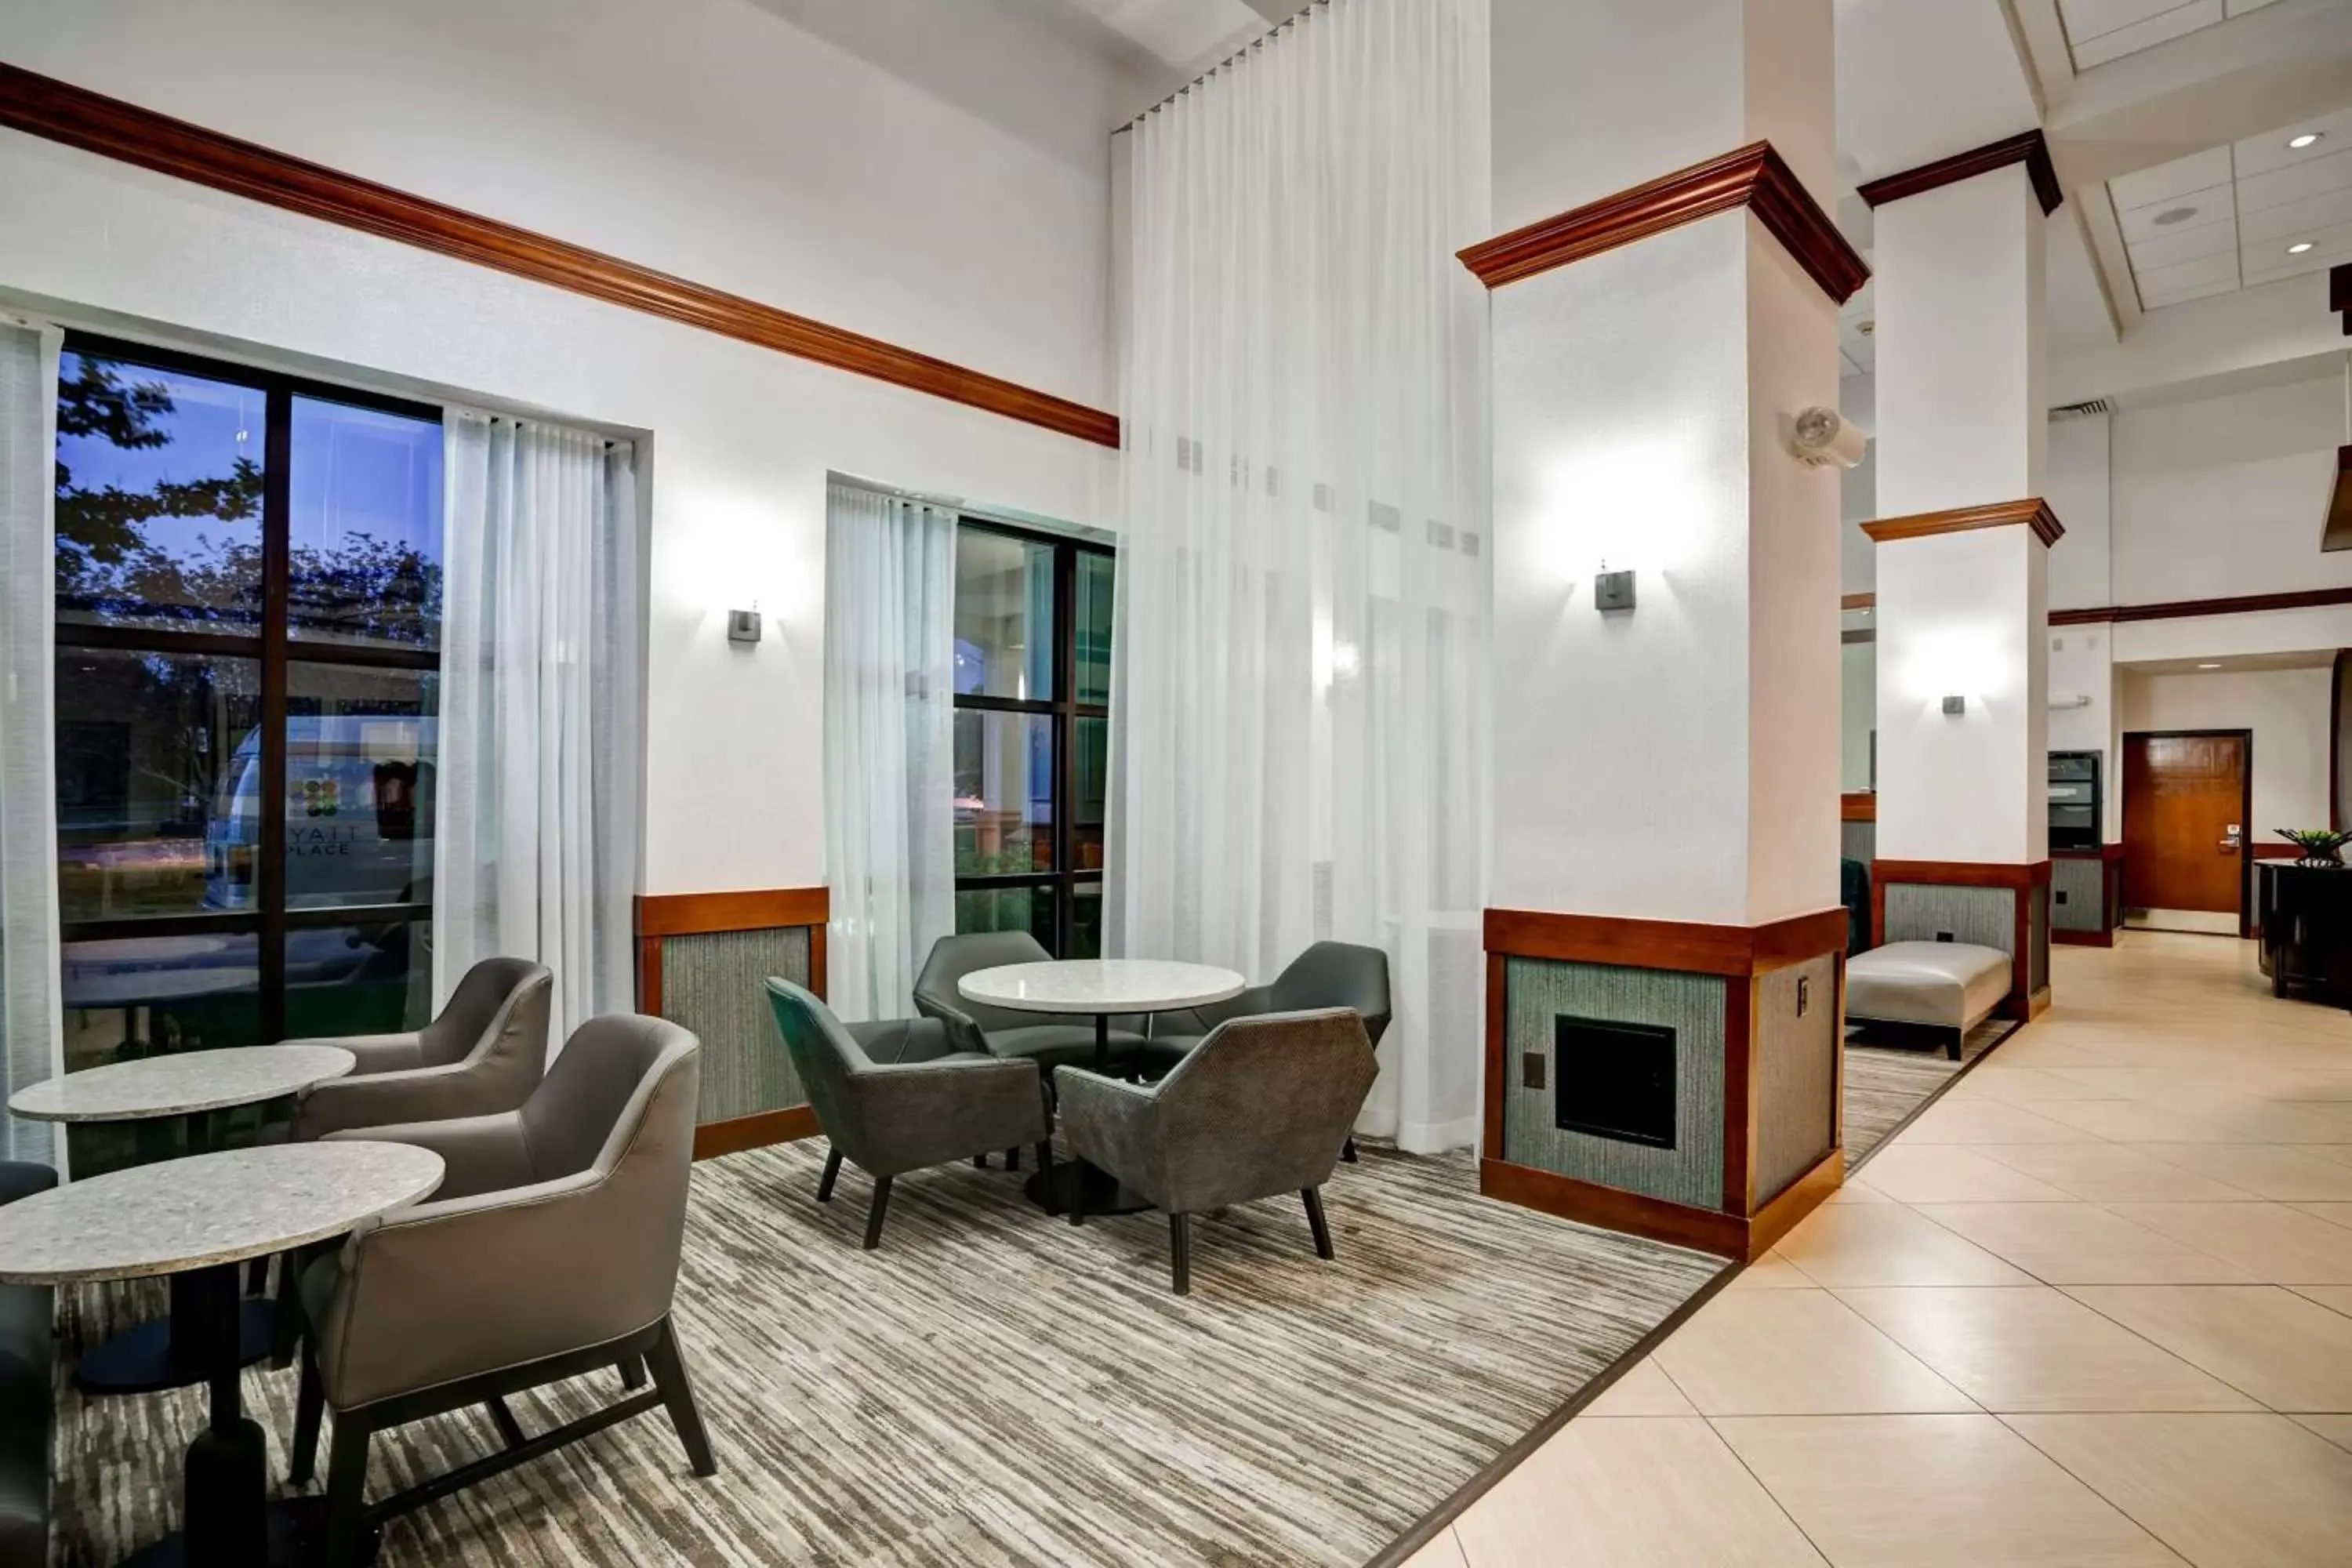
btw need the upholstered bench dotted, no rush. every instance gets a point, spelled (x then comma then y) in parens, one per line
(1943, 985)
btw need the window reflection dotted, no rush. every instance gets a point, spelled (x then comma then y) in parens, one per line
(365, 529)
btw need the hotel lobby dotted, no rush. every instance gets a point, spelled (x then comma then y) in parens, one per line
(1360, 783)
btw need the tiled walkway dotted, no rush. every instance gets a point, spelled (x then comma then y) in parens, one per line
(2095, 1307)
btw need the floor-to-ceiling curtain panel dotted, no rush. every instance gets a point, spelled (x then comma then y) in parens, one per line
(1303, 589)
(536, 803)
(29, 1021)
(889, 755)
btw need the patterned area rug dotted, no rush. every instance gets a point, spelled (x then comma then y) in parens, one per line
(1889, 1074)
(995, 1387)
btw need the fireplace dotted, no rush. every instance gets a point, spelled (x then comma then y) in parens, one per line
(1614, 1080)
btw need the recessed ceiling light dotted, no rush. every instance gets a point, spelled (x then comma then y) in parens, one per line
(2209, 666)
(2171, 216)
(2298, 247)
(2308, 139)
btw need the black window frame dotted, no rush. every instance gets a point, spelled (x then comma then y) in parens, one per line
(269, 920)
(1064, 711)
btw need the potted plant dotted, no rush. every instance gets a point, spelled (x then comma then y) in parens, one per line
(2320, 845)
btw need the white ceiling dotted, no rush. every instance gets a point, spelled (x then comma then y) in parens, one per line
(1187, 34)
(2221, 220)
(2098, 31)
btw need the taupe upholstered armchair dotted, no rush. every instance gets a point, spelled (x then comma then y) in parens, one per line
(922, 1104)
(1328, 974)
(484, 1053)
(551, 1249)
(1001, 1031)
(1258, 1108)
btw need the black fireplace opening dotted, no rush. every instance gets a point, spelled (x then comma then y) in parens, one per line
(1614, 1080)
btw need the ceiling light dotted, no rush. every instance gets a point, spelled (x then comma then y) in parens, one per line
(2209, 666)
(2298, 247)
(2171, 216)
(2308, 138)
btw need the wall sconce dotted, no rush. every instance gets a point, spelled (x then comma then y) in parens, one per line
(1956, 706)
(1612, 591)
(743, 626)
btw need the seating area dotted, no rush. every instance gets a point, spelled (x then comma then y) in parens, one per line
(1305, 783)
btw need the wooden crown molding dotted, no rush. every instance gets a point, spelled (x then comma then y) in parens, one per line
(1755, 176)
(2183, 609)
(59, 112)
(2032, 149)
(1684, 946)
(2032, 511)
(697, 914)
(1857, 601)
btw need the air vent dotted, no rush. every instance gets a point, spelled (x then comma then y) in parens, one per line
(2079, 410)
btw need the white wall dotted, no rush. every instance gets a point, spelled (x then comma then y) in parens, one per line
(1858, 487)
(2225, 495)
(2077, 490)
(1858, 714)
(2285, 708)
(702, 136)
(2081, 664)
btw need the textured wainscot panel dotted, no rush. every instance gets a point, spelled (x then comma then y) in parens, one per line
(1796, 1108)
(2081, 881)
(1916, 911)
(712, 984)
(2037, 937)
(1538, 991)
(1858, 840)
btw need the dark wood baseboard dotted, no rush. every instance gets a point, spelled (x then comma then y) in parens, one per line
(2066, 938)
(1736, 1237)
(2037, 1005)
(733, 1136)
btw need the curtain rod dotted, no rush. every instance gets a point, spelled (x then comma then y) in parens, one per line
(1282, 26)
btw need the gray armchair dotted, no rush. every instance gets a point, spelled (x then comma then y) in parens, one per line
(1328, 974)
(1001, 1031)
(484, 1053)
(922, 1103)
(1259, 1109)
(549, 1249)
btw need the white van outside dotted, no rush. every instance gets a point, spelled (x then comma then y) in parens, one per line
(358, 814)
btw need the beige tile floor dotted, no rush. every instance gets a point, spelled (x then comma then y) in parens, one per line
(2094, 1308)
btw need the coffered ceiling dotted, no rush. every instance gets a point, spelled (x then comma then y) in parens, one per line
(2240, 215)
(2098, 31)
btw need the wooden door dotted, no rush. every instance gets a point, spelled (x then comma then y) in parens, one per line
(2185, 821)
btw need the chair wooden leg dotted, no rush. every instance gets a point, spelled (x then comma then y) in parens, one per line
(677, 1395)
(876, 1212)
(979, 1161)
(1045, 1163)
(1959, 1041)
(287, 1326)
(309, 1409)
(1078, 1195)
(1179, 1249)
(502, 1417)
(633, 1373)
(257, 1277)
(347, 1494)
(1347, 1150)
(1013, 1157)
(831, 1174)
(1315, 1222)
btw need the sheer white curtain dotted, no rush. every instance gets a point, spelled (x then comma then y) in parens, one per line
(889, 752)
(1304, 586)
(29, 1017)
(535, 852)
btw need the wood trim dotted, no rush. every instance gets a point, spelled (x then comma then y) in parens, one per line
(1754, 177)
(1725, 1234)
(766, 909)
(2103, 852)
(2032, 511)
(1858, 806)
(649, 975)
(1740, 1080)
(1960, 873)
(2276, 851)
(736, 1135)
(2067, 937)
(59, 112)
(1683, 946)
(1857, 601)
(2037, 1005)
(1498, 1027)
(2183, 609)
(816, 959)
(1837, 1063)
(2030, 149)
(1798, 1199)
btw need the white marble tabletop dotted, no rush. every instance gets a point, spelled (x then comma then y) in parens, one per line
(1099, 986)
(180, 1083)
(210, 1209)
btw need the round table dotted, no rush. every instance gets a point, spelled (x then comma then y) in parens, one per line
(199, 1219)
(1097, 987)
(186, 1084)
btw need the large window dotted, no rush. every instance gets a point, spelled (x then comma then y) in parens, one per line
(1031, 735)
(248, 609)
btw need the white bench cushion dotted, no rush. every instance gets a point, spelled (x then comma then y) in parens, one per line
(1951, 984)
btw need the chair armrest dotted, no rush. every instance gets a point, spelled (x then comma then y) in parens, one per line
(385, 1099)
(481, 1153)
(963, 1029)
(908, 1115)
(1113, 1126)
(453, 1289)
(23, 1178)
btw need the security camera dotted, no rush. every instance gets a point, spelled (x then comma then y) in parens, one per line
(1819, 437)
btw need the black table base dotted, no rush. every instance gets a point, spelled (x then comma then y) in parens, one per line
(1103, 1194)
(159, 1355)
